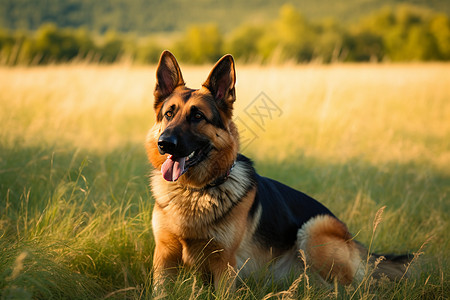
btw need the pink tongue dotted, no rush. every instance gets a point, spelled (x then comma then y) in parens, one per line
(172, 168)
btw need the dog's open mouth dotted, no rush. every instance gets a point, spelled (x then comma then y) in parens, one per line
(174, 167)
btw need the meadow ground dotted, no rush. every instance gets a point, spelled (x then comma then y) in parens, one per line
(75, 208)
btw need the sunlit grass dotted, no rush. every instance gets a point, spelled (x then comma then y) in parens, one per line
(75, 214)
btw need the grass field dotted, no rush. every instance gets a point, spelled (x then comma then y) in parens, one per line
(75, 208)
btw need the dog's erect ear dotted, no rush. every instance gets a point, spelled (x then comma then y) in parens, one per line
(168, 77)
(221, 82)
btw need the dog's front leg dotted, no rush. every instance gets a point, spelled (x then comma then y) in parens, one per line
(223, 269)
(166, 259)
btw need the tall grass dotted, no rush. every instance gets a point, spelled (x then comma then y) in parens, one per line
(75, 214)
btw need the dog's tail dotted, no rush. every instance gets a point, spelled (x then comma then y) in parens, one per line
(332, 251)
(394, 267)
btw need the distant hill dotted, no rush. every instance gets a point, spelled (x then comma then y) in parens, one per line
(147, 16)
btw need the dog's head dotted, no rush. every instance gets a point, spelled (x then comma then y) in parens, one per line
(193, 140)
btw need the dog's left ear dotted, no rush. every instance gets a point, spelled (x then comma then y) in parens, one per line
(221, 82)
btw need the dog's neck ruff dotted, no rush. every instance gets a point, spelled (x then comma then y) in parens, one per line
(204, 205)
(221, 179)
(215, 183)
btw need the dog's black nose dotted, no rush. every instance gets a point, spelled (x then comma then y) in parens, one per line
(167, 143)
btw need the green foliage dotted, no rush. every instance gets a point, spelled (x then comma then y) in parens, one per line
(148, 52)
(295, 35)
(244, 42)
(50, 44)
(364, 46)
(200, 44)
(54, 44)
(148, 16)
(112, 48)
(330, 38)
(409, 34)
(440, 29)
(401, 33)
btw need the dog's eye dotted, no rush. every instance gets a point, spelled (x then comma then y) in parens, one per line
(198, 116)
(168, 115)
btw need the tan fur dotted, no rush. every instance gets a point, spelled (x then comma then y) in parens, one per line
(330, 249)
(194, 229)
(226, 141)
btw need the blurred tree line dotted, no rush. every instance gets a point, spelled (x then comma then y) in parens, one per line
(400, 33)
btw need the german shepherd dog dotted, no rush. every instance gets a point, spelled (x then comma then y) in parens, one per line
(215, 213)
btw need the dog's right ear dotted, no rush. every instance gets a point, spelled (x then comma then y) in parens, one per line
(168, 77)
